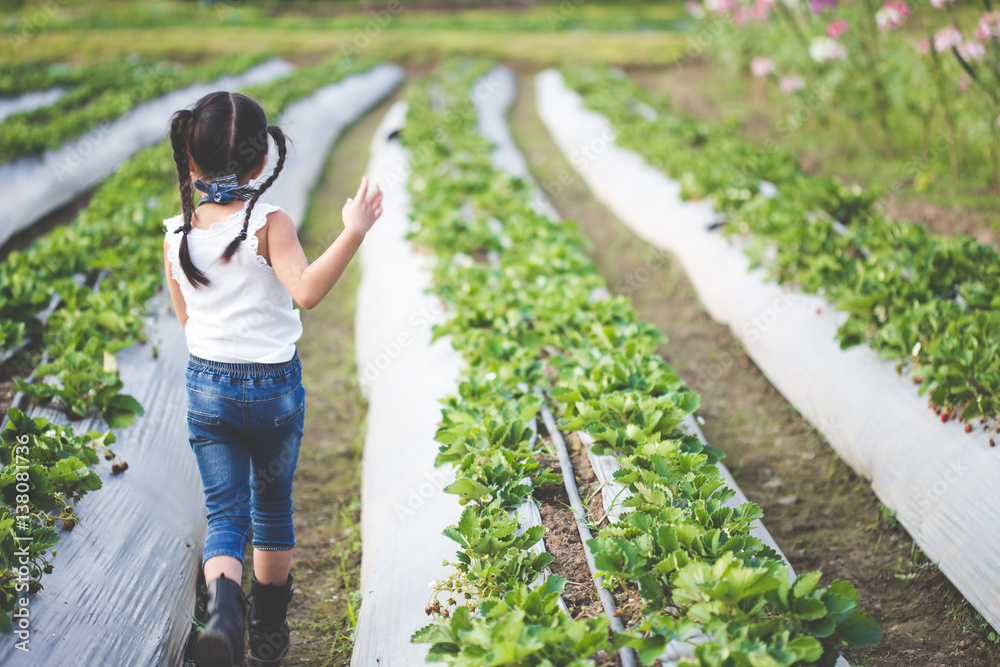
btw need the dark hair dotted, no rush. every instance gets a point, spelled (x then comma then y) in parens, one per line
(225, 133)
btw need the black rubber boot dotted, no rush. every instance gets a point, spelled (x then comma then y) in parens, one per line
(268, 629)
(220, 643)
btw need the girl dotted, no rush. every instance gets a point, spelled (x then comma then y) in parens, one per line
(233, 267)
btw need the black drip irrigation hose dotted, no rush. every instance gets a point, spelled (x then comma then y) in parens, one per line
(607, 600)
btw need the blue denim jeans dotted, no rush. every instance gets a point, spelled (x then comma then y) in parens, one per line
(245, 426)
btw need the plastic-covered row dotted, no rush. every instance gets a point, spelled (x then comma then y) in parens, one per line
(939, 480)
(122, 589)
(33, 187)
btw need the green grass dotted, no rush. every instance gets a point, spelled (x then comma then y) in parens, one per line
(390, 14)
(535, 48)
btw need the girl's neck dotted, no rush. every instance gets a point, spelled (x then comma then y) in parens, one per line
(209, 213)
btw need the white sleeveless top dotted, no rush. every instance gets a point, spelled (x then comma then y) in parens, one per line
(244, 314)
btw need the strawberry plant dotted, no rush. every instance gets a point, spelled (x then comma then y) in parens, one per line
(530, 314)
(926, 301)
(44, 471)
(523, 627)
(18, 79)
(105, 92)
(97, 321)
(119, 235)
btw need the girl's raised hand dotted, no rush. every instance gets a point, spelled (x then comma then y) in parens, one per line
(361, 211)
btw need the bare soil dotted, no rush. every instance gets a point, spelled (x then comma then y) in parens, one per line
(562, 540)
(821, 513)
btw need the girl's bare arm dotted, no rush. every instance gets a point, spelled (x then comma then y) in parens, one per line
(309, 283)
(180, 306)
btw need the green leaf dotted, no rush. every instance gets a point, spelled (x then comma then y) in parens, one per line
(859, 630)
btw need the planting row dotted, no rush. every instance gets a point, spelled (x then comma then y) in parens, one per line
(101, 93)
(112, 235)
(104, 269)
(27, 77)
(34, 187)
(530, 313)
(928, 302)
(932, 474)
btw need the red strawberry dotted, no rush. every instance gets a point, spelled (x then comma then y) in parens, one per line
(944, 417)
(968, 428)
(992, 443)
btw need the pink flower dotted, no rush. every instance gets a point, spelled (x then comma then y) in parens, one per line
(762, 9)
(740, 15)
(923, 46)
(695, 9)
(989, 25)
(791, 84)
(818, 6)
(972, 50)
(963, 82)
(947, 38)
(824, 49)
(892, 15)
(761, 66)
(938, 4)
(719, 6)
(837, 28)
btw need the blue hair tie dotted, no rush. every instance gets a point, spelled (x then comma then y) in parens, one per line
(223, 190)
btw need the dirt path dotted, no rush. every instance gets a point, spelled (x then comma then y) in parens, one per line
(823, 515)
(327, 555)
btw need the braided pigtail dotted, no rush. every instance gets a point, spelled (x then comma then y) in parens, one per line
(180, 131)
(279, 140)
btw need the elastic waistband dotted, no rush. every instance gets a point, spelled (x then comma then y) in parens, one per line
(247, 367)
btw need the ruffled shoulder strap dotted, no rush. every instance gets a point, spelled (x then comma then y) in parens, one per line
(258, 218)
(173, 244)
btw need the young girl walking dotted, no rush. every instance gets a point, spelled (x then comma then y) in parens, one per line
(233, 267)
